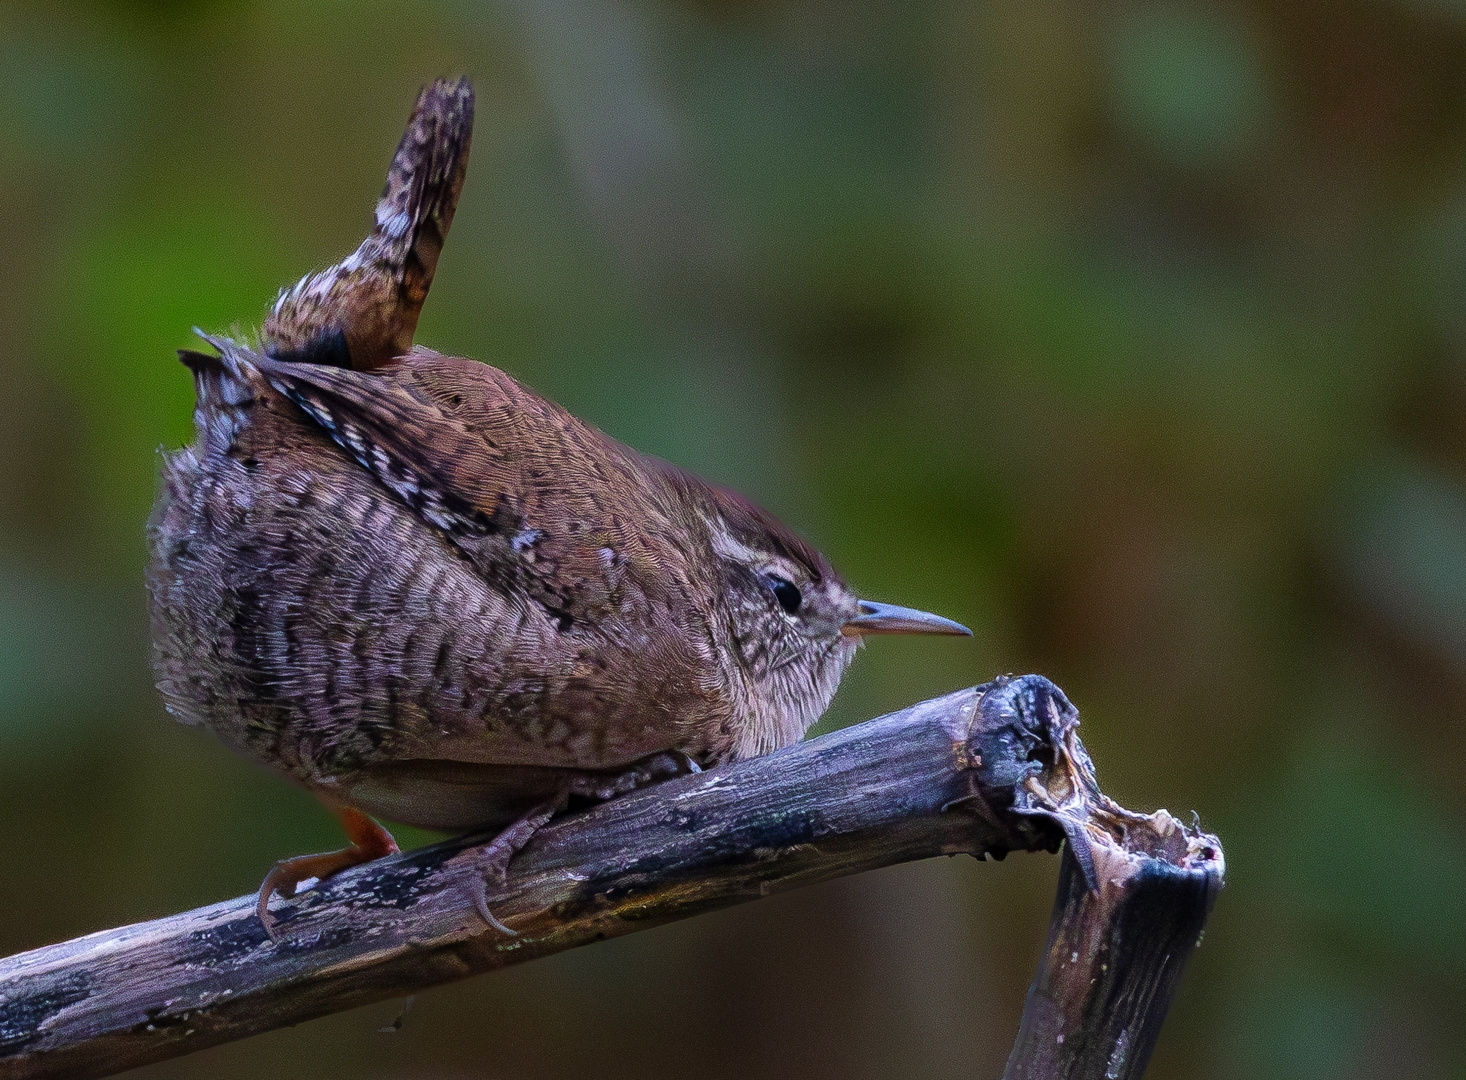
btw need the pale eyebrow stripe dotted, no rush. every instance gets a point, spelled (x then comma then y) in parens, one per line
(730, 547)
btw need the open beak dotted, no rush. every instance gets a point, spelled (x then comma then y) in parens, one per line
(889, 619)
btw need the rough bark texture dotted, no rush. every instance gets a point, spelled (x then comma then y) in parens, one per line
(1134, 894)
(982, 772)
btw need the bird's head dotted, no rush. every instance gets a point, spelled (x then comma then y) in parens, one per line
(793, 625)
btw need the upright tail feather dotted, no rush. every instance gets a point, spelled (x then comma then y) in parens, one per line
(363, 311)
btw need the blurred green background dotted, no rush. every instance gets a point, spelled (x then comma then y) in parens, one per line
(1133, 335)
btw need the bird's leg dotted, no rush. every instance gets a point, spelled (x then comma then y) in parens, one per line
(368, 841)
(598, 787)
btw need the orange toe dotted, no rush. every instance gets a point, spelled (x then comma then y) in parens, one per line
(369, 841)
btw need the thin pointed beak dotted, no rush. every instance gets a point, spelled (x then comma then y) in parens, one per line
(889, 619)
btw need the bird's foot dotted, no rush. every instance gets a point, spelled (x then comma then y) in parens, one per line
(598, 787)
(502, 848)
(603, 786)
(368, 841)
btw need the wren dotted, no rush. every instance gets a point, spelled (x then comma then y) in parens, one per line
(428, 594)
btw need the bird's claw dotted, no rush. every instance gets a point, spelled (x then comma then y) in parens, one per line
(494, 862)
(499, 875)
(369, 841)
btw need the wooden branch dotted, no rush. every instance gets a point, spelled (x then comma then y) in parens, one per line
(1134, 894)
(983, 772)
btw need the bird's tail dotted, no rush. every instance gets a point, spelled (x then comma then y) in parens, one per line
(363, 311)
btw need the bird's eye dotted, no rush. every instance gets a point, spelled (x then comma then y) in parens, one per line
(786, 592)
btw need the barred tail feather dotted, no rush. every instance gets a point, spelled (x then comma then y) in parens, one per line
(362, 312)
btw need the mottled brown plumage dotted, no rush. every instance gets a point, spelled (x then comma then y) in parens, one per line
(363, 311)
(427, 593)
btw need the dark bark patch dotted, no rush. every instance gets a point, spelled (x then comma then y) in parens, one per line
(27, 1003)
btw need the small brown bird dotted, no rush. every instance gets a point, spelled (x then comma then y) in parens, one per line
(427, 593)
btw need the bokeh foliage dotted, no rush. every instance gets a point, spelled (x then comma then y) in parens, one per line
(1130, 334)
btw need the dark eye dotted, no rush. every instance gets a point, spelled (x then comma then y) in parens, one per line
(786, 592)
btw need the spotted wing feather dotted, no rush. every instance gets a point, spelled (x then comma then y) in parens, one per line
(534, 498)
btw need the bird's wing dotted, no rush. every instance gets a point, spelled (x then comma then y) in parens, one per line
(451, 476)
(520, 486)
